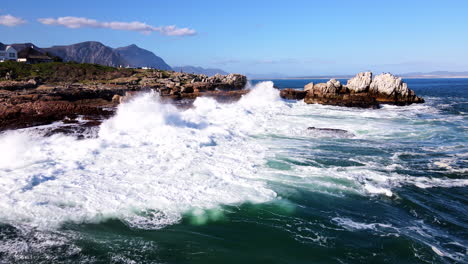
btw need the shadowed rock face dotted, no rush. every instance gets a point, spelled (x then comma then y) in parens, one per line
(360, 91)
(292, 94)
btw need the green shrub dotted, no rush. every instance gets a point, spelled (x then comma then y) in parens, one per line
(61, 71)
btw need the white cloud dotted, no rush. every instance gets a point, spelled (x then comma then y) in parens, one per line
(80, 22)
(11, 21)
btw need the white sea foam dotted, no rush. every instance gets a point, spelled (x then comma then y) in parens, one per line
(149, 164)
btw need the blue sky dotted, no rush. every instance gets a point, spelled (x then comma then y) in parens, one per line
(290, 37)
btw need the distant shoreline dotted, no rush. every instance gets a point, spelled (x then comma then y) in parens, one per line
(348, 77)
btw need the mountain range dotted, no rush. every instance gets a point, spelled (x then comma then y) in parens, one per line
(98, 53)
(129, 56)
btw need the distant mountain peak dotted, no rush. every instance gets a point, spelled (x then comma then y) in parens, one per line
(138, 57)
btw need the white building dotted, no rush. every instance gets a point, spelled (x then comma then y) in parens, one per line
(7, 53)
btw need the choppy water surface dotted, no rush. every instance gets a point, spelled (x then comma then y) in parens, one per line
(244, 182)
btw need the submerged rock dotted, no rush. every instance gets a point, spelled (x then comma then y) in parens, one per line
(331, 131)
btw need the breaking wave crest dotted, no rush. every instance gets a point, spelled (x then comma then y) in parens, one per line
(150, 163)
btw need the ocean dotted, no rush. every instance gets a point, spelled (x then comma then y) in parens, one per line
(244, 182)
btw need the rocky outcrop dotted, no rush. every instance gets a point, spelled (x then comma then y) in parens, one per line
(26, 103)
(360, 91)
(333, 93)
(230, 81)
(36, 107)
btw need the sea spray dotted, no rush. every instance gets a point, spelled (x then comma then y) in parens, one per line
(150, 163)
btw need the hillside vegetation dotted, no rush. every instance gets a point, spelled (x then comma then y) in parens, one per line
(61, 71)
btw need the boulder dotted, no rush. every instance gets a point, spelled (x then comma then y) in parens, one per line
(361, 91)
(324, 88)
(360, 83)
(116, 99)
(334, 85)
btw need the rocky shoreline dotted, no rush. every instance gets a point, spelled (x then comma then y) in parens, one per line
(93, 94)
(25, 103)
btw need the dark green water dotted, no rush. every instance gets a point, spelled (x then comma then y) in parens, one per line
(393, 190)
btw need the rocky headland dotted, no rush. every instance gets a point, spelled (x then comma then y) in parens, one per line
(43, 93)
(360, 91)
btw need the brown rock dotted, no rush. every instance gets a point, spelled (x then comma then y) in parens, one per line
(17, 85)
(116, 99)
(292, 94)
